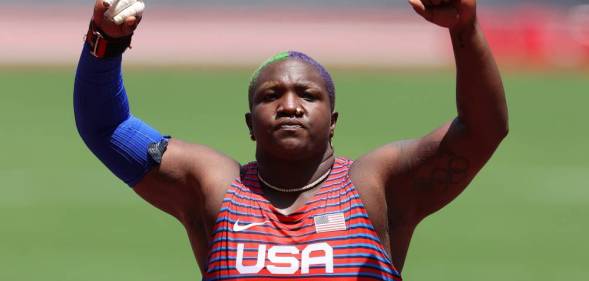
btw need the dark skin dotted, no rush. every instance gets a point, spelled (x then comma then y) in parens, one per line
(292, 123)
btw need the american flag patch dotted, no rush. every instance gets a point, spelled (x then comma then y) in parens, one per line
(330, 222)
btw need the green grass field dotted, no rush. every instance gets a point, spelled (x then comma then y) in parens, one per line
(64, 217)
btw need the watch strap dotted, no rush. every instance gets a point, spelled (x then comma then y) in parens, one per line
(104, 46)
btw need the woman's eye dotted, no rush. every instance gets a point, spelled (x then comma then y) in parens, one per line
(308, 96)
(270, 96)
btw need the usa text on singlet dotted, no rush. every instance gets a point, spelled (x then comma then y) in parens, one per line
(330, 236)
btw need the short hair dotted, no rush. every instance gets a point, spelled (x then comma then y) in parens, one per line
(298, 56)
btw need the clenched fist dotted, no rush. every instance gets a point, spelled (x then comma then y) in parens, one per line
(446, 13)
(118, 18)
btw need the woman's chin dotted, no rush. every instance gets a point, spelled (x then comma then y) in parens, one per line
(292, 148)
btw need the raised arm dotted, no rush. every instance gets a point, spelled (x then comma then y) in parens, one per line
(420, 176)
(101, 108)
(174, 181)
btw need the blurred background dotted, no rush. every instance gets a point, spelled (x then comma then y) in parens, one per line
(64, 217)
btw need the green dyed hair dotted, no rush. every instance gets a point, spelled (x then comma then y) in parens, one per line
(299, 56)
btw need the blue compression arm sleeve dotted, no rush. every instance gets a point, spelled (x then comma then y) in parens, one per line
(104, 121)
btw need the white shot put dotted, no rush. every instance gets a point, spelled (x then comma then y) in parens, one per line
(119, 10)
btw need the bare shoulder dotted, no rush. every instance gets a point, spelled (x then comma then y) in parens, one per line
(371, 174)
(420, 176)
(201, 164)
(191, 178)
(379, 163)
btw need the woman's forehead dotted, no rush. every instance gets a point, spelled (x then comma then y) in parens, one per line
(293, 63)
(290, 71)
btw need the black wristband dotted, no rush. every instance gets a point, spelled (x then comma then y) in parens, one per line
(156, 149)
(104, 46)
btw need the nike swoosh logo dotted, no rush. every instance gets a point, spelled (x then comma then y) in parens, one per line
(238, 228)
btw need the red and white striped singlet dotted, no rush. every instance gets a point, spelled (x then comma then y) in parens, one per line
(329, 238)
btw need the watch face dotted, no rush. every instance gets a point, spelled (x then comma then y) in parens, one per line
(156, 150)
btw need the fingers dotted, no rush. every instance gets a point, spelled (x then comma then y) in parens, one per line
(440, 12)
(129, 24)
(118, 18)
(446, 16)
(427, 4)
(135, 10)
(117, 7)
(439, 2)
(99, 9)
(419, 8)
(436, 3)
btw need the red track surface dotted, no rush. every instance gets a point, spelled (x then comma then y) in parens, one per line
(47, 35)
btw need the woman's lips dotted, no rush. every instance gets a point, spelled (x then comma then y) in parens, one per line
(290, 125)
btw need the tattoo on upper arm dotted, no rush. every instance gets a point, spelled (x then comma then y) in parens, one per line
(447, 169)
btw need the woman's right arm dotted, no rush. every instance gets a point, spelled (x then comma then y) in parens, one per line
(179, 181)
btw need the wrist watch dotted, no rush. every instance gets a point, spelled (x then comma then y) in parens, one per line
(156, 149)
(104, 46)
